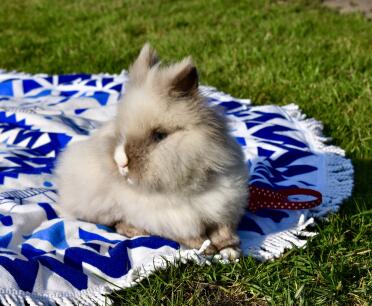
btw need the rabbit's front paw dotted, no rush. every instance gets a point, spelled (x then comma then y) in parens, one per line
(231, 253)
(129, 230)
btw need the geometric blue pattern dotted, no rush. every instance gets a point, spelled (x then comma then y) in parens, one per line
(41, 115)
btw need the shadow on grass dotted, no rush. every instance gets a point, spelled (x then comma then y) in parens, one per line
(362, 193)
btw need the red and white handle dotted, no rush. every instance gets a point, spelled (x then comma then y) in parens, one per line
(278, 199)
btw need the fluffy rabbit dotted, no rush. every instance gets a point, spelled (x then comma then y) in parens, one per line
(165, 165)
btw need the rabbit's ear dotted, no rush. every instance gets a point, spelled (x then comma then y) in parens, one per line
(183, 78)
(145, 60)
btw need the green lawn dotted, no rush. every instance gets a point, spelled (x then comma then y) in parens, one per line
(270, 51)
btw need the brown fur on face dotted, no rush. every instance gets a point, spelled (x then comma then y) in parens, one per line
(137, 153)
(137, 149)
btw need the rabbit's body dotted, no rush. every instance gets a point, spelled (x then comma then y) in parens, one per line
(166, 165)
(99, 194)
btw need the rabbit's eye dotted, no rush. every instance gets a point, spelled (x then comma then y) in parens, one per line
(159, 135)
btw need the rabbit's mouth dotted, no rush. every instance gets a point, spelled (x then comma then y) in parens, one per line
(124, 171)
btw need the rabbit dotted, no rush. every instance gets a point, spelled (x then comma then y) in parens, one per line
(165, 165)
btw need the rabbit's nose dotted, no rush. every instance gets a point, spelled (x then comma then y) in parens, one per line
(120, 157)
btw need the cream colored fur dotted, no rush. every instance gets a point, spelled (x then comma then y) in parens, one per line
(180, 187)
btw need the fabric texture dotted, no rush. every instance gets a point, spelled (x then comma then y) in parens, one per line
(45, 259)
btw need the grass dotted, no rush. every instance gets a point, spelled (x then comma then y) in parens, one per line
(270, 51)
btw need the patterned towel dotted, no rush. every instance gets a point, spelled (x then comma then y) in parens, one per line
(45, 259)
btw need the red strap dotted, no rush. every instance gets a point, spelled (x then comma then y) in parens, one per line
(278, 199)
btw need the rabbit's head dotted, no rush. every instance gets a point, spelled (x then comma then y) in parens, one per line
(170, 140)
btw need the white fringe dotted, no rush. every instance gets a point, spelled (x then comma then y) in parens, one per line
(340, 170)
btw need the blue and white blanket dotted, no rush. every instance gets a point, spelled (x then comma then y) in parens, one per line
(45, 259)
